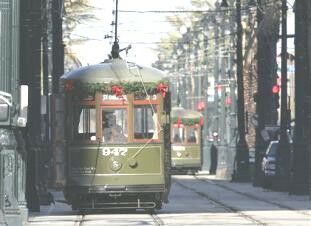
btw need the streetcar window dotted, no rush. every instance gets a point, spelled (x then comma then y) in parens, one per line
(86, 126)
(178, 135)
(145, 122)
(114, 125)
(192, 135)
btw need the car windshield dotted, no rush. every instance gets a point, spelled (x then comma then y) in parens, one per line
(272, 148)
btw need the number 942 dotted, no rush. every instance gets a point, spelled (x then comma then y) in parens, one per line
(114, 151)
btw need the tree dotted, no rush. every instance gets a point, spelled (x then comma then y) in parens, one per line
(75, 12)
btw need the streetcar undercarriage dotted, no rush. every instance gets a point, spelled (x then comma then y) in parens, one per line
(115, 200)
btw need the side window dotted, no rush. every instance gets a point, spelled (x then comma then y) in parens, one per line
(114, 125)
(85, 126)
(145, 122)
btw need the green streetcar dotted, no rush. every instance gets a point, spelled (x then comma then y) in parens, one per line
(186, 130)
(117, 136)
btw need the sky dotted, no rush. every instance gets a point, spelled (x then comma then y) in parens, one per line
(140, 30)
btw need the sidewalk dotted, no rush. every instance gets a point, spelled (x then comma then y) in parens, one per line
(282, 199)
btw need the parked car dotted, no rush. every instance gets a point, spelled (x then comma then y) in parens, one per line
(268, 163)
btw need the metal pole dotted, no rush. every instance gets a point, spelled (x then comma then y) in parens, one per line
(216, 78)
(241, 172)
(206, 150)
(283, 152)
(45, 69)
(57, 46)
(299, 180)
(30, 66)
(222, 167)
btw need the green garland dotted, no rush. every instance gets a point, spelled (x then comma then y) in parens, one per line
(186, 121)
(137, 88)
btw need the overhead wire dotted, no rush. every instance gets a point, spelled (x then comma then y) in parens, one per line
(175, 12)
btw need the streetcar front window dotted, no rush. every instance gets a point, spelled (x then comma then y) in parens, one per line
(192, 135)
(114, 125)
(86, 124)
(145, 122)
(178, 135)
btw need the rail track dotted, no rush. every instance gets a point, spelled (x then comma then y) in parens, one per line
(216, 202)
(252, 196)
(156, 219)
(80, 220)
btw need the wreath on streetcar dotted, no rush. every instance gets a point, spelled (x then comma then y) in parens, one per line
(186, 121)
(119, 89)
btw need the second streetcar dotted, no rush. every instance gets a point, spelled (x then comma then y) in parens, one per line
(186, 138)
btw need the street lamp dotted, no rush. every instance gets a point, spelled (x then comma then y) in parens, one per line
(241, 166)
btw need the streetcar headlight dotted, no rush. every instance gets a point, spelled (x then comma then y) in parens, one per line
(132, 162)
(178, 154)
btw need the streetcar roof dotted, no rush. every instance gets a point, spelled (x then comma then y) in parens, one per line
(184, 113)
(115, 70)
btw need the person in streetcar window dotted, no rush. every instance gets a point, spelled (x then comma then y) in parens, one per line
(114, 126)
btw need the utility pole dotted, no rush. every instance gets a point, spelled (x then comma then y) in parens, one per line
(206, 151)
(299, 179)
(57, 46)
(45, 69)
(283, 150)
(216, 78)
(232, 109)
(222, 164)
(31, 68)
(241, 171)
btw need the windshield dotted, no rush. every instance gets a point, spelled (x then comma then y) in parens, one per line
(272, 148)
(178, 135)
(114, 125)
(192, 135)
(183, 134)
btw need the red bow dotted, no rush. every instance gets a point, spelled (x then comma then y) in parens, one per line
(201, 121)
(162, 89)
(117, 90)
(69, 85)
(179, 122)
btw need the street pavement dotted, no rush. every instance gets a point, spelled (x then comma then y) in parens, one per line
(267, 206)
(295, 202)
(194, 200)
